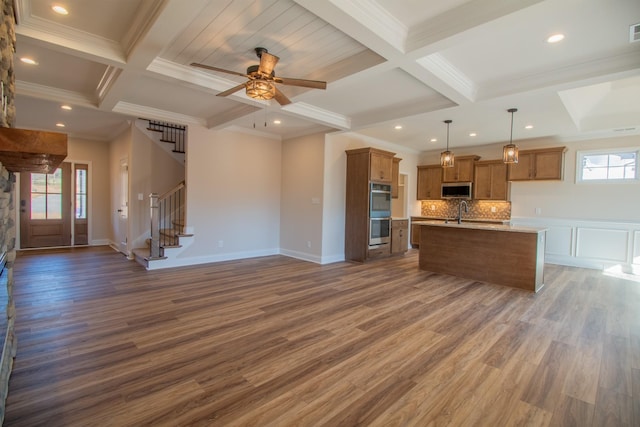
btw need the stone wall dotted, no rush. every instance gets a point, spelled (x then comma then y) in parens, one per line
(7, 77)
(7, 206)
(7, 312)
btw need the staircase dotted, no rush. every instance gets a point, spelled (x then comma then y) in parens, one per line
(171, 133)
(167, 227)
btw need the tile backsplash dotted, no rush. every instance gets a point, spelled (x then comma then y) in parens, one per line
(478, 209)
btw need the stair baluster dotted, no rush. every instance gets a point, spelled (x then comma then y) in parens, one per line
(167, 220)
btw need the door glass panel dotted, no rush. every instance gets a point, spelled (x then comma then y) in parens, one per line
(81, 194)
(38, 183)
(38, 206)
(46, 195)
(54, 206)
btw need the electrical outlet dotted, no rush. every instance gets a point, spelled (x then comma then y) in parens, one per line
(538, 211)
(220, 243)
(433, 207)
(493, 209)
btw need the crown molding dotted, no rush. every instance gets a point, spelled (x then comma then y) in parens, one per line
(437, 65)
(621, 64)
(319, 115)
(373, 16)
(190, 75)
(34, 90)
(89, 46)
(137, 110)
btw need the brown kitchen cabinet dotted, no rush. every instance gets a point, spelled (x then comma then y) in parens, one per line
(399, 236)
(540, 164)
(429, 182)
(462, 170)
(395, 177)
(363, 165)
(381, 169)
(490, 180)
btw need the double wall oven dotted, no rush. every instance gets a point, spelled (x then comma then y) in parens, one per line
(379, 214)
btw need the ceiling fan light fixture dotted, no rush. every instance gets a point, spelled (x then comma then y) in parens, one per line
(510, 151)
(260, 89)
(447, 157)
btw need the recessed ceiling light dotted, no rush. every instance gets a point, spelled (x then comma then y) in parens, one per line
(276, 122)
(60, 125)
(60, 10)
(397, 127)
(473, 134)
(434, 139)
(28, 60)
(528, 127)
(66, 107)
(555, 38)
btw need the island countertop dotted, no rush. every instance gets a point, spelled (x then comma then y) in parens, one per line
(480, 226)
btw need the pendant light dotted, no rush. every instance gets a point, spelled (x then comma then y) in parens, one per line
(446, 157)
(510, 151)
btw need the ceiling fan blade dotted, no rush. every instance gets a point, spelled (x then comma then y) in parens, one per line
(221, 70)
(281, 98)
(232, 90)
(267, 63)
(315, 84)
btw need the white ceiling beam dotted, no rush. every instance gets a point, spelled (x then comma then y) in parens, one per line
(168, 21)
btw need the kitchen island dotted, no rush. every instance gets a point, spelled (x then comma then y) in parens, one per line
(495, 253)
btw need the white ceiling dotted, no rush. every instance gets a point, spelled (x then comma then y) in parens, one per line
(387, 62)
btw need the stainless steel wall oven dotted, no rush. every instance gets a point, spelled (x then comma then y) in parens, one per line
(379, 214)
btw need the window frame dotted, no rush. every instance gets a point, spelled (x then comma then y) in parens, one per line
(580, 154)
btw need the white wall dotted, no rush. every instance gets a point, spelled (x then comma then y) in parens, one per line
(151, 170)
(302, 197)
(119, 148)
(233, 196)
(335, 169)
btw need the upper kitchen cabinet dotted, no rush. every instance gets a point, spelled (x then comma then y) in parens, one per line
(429, 182)
(541, 164)
(381, 169)
(462, 170)
(490, 180)
(395, 177)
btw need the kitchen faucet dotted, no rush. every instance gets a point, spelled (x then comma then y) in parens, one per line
(466, 209)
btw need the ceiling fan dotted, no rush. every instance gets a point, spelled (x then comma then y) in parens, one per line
(262, 79)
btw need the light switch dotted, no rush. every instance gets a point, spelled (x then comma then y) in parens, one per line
(315, 200)
(140, 196)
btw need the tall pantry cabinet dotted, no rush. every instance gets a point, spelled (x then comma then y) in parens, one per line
(364, 166)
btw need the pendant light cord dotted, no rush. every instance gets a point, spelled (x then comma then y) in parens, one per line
(448, 122)
(511, 110)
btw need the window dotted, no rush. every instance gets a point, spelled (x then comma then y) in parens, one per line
(611, 165)
(46, 195)
(81, 192)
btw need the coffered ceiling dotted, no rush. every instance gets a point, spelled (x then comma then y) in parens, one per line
(388, 63)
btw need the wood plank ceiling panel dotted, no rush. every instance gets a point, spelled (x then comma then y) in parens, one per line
(304, 42)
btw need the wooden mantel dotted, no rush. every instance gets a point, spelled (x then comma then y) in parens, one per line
(24, 150)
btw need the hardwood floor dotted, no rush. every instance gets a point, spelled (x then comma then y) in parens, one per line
(276, 341)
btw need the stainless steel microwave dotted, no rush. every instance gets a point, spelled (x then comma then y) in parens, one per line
(456, 190)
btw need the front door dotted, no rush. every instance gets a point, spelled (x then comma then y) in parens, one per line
(45, 208)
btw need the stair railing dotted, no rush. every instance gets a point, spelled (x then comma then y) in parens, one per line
(167, 216)
(171, 133)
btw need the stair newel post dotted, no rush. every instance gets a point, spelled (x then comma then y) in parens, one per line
(154, 250)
